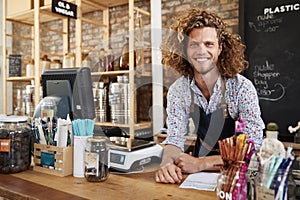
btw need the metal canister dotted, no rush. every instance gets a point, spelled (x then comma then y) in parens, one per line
(119, 101)
(96, 159)
(100, 98)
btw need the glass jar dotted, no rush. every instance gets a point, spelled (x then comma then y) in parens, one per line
(69, 60)
(30, 68)
(281, 186)
(45, 63)
(96, 159)
(55, 64)
(15, 152)
(232, 184)
(86, 60)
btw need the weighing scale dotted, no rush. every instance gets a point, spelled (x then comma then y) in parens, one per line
(143, 152)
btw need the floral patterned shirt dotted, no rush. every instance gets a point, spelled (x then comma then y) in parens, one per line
(241, 99)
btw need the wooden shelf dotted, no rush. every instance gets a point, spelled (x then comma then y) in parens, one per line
(110, 73)
(87, 6)
(138, 126)
(20, 79)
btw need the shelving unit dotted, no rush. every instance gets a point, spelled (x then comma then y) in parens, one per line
(40, 14)
(104, 6)
(33, 18)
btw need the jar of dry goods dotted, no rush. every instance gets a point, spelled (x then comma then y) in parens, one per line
(15, 134)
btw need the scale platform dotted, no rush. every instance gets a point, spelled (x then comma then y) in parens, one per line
(124, 159)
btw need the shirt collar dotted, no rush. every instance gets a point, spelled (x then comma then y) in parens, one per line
(217, 86)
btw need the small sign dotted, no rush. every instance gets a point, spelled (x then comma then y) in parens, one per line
(64, 8)
(4, 145)
(15, 65)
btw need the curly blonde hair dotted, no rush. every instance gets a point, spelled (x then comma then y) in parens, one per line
(231, 61)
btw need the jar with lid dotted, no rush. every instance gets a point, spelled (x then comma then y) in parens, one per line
(45, 63)
(55, 64)
(86, 60)
(96, 159)
(69, 60)
(15, 140)
(30, 68)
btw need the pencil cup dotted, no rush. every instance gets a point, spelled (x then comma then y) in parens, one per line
(232, 184)
(80, 143)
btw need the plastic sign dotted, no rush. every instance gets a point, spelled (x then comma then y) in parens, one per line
(64, 8)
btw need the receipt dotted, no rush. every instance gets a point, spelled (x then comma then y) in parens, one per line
(201, 181)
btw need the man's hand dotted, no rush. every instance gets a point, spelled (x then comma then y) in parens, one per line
(169, 173)
(188, 164)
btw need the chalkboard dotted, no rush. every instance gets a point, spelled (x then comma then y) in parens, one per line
(271, 32)
(15, 64)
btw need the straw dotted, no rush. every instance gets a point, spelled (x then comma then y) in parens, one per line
(83, 127)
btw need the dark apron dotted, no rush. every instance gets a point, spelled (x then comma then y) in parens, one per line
(211, 127)
(209, 145)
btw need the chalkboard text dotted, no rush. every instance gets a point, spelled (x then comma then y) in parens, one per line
(281, 9)
(262, 76)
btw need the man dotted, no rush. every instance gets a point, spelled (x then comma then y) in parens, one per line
(210, 91)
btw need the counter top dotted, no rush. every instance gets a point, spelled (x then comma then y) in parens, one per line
(35, 185)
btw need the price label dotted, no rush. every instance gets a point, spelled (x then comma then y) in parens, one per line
(4, 145)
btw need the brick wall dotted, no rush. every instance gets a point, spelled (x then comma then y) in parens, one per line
(92, 37)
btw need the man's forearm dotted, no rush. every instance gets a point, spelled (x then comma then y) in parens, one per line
(170, 153)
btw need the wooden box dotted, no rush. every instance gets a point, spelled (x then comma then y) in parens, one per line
(62, 159)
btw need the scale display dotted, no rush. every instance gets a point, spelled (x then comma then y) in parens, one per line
(117, 158)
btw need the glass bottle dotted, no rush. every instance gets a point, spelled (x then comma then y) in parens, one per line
(124, 59)
(109, 59)
(18, 109)
(96, 159)
(102, 62)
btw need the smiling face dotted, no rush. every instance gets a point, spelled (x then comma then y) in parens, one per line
(203, 50)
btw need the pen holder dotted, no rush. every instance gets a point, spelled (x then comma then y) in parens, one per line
(232, 184)
(281, 186)
(80, 143)
(53, 160)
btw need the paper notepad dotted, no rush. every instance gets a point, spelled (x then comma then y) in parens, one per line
(201, 181)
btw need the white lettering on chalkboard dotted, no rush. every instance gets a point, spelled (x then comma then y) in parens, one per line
(283, 8)
(262, 75)
(265, 23)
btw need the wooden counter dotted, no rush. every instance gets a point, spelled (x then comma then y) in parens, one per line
(35, 185)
